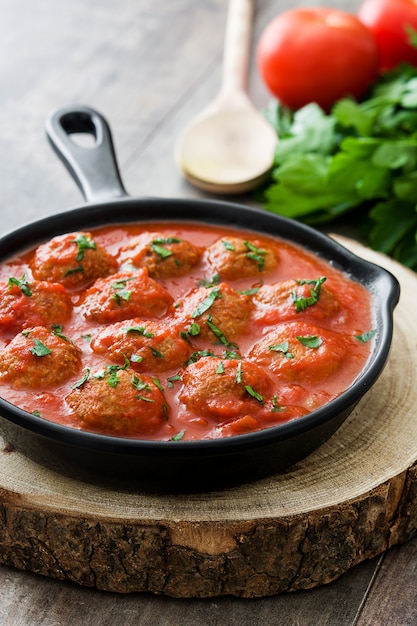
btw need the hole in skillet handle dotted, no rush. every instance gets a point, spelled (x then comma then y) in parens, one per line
(94, 166)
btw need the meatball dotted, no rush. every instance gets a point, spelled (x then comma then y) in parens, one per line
(24, 304)
(149, 345)
(217, 314)
(301, 352)
(288, 299)
(224, 389)
(123, 296)
(164, 256)
(74, 260)
(118, 402)
(37, 358)
(233, 258)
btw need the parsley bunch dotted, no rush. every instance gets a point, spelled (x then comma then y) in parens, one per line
(362, 156)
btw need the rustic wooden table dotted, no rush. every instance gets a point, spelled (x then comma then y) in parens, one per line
(149, 66)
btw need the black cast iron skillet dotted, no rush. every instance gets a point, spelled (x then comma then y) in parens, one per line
(181, 465)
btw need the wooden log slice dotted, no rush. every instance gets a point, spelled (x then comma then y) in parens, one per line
(350, 500)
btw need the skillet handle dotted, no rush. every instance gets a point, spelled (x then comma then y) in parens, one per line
(94, 168)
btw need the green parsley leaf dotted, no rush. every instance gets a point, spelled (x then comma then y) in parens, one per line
(83, 243)
(22, 283)
(282, 347)
(40, 349)
(207, 302)
(361, 157)
(178, 436)
(229, 246)
(370, 334)
(313, 341)
(138, 329)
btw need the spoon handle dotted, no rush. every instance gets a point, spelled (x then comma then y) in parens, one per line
(237, 46)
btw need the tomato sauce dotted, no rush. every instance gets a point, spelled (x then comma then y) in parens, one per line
(240, 332)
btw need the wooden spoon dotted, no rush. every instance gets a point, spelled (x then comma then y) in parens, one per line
(229, 147)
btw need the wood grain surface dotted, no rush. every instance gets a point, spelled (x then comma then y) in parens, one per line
(150, 66)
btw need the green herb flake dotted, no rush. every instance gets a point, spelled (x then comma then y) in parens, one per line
(283, 348)
(164, 253)
(254, 394)
(256, 254)
(219, 333)
(138, 329)
(364, 337)
(82, 380)
(83, 243)
(36, 413)
(220, 368)
(209, 282)
(194, 329)
(214, 294)
(178, 436)
(74, 270)
(22, 283)
(301, 302)
(313, 341)
(229, 246)
(276, 408)
(195, 356)
(239, 377)
(136, 358)
(172, 379)
(156, 353)
(157, 383)
(57, 330)
(40, 349)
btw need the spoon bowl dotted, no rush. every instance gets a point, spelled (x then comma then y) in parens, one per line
(229, 147)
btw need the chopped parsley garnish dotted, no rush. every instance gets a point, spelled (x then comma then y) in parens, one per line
(157, 354)
(301, 302)
(82, 380)
(366, 336)
(275, 406)
(136, 358)
(178, 436)
(39, 348)
(254, 394)
(74, 270)
(57, 330)
(207, 302)
(83, 243)
(219, 333)
(139, 385)
(139, 329)
(87, 338)
(197, 355)
(22, 283)
(239, 378)
(172, 379)
(248, 292)
(194, 329)
(229, 246)
(120, 291)
(256, 254)
(157, 383)
(209, 282)
(283, 348)
(36, 413)
(313, 341)
(220, 368)
(157, 246)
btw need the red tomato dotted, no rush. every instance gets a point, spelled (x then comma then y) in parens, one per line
(390, 21)
(316, 55)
